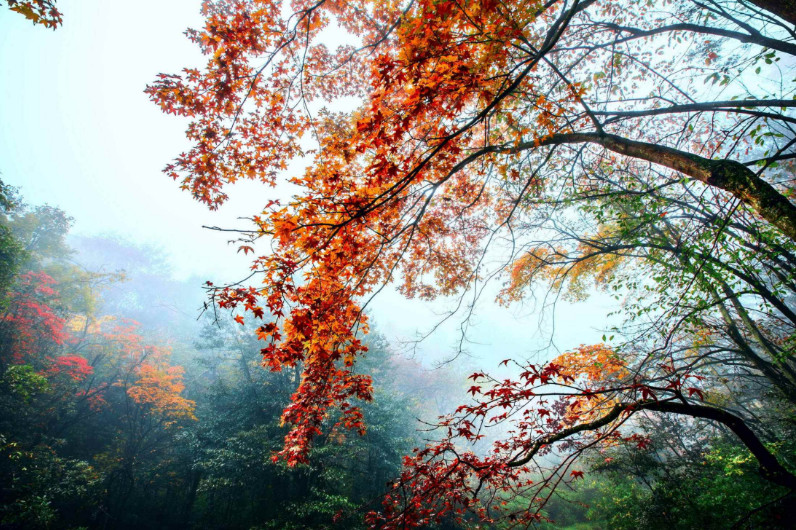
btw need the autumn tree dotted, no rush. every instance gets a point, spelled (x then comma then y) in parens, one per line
(644, 146)
(81, 395)
(41, 12)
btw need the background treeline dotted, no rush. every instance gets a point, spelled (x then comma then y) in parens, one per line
(118, 409)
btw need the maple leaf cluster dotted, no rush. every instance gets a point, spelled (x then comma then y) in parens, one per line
(41, 12)
(552, 413)
(374, 206)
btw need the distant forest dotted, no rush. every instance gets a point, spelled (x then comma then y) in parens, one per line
(118, 409)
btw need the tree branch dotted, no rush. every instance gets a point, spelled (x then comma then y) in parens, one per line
(727, 175)
(770, 468)
(760, 40)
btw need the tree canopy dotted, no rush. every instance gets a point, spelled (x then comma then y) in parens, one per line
(642, 147)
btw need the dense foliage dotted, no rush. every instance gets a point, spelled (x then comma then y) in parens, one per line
(641, 147)
(100, 427)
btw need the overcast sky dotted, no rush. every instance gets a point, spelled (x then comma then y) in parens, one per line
(79, 133)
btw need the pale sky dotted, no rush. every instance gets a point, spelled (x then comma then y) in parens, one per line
(79, 133)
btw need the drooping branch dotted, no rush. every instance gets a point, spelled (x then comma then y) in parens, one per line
(770, 468)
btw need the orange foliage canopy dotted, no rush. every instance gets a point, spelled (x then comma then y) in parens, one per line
(160, 388)
(388, 193)
(461, 105)
(143, 371)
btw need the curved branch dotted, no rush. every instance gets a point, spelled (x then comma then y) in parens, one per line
(760, 40)
(770, 468)
(713, 106)
(727, 175)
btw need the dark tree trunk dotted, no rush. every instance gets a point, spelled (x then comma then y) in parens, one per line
(784, 9)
